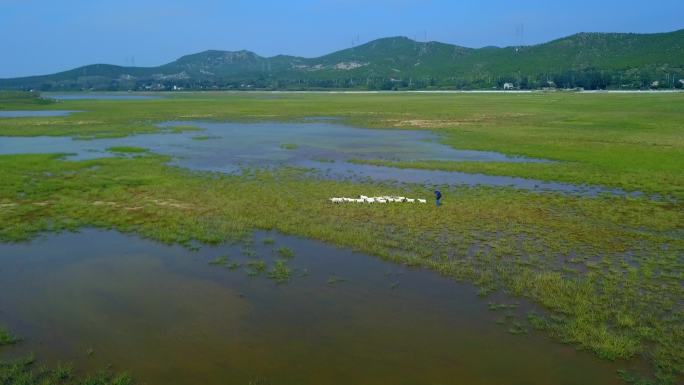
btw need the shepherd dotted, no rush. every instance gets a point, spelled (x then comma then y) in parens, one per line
(438, 197)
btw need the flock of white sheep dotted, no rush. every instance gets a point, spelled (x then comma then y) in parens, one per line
(382, 199)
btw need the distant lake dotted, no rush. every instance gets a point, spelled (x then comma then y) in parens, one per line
(39, 114)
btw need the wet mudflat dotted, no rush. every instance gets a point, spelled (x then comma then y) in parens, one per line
(217, 316)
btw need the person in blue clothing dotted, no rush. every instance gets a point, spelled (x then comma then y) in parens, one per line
(438, 197)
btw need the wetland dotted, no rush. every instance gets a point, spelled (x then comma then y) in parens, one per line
(341, 317)
(190, 237)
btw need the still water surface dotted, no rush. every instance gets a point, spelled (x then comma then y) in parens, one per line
(169, 317)
(321, 146)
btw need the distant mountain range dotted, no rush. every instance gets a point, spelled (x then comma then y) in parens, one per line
(587, 60)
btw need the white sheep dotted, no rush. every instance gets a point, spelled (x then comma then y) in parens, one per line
(379, 199)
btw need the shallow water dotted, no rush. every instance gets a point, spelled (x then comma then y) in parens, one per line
(320, 139)
(167, 316)
(263, 144)
(436, 178)
(324, 147)
(28, 114)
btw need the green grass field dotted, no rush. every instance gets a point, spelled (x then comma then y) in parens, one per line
(606, 270)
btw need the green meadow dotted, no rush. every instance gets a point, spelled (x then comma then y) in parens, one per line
(605, 271)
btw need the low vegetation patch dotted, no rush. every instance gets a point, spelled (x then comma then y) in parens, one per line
(204, 137)
(6, 338)
(289, 146)
(128, 149)
(27, 372)
(219, 261)
(255, 268)
(285, 252)
(280, 272)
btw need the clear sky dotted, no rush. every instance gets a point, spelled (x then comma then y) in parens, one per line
(45, 36)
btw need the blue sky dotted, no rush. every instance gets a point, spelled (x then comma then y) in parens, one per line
(45, 36)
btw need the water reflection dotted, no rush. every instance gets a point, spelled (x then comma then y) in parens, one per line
(169, 317)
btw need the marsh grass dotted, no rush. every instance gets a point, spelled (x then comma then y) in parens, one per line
(204, 137)
(332, 280)
(286, 252)
(234, 265)
(249, 252)
(128, 149)
(518, 328)
(220, 261)
(255, 268)
(634, 379)
(280, 272)
(63, 371)
(6, 338)
(26, 371)
(324, 160)
(289, 146)
(500, 306)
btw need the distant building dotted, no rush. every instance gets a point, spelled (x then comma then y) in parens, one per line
(508, 86)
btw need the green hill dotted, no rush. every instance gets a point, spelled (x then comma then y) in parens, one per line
(588, 60)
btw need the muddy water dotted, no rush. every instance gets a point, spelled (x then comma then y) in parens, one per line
(169, 317)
